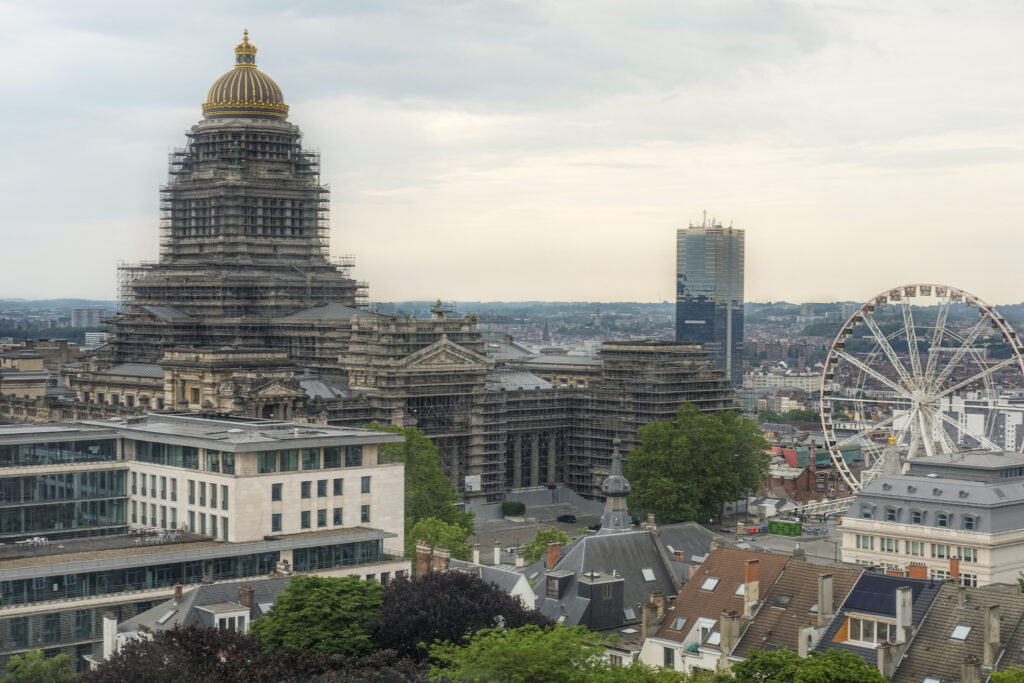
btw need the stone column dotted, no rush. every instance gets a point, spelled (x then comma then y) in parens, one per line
(551, 458)
(517, 462)
(534, 459)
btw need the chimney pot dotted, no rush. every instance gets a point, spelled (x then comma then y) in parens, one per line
(245, 595)
(679, 556)
(177, 592)
(554, 553)
(751, 586)
(497, 553)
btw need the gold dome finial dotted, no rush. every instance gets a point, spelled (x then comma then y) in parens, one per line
(245, 52)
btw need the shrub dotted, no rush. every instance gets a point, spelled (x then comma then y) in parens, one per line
(513, 508)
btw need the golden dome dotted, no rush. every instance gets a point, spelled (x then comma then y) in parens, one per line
(245, 90)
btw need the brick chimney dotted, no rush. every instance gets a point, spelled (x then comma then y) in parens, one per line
(440, 559)
(658, 598)
(207, 579)
(954, 568)
(679, 556)
(751, 586)
(554, 553)
(423, 564)
(824, 599)
(177, 592)
(970, 670)
(991, 635)
(245, 595)
(650, 522)
(814, 456)
(648, 619)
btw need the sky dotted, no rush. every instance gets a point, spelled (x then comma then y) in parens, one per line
(543, 150)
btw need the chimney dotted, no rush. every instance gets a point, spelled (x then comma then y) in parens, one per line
(961, 596)
(177, 592)
(807, 634)
(814, 456)
(441, 557)
(886, 659)
(520, 560)
(751, 586)
(648, 619)
(824, 599)
(954, 568)
(658, 598)
(904, 612)
(109, 634)
(245, 595)
(207, 579)
(422, 558)
(991, 635)
(650, 522)
(970, 670)
(729, 626)
(678, 556)
(554, 553)
(476, 553)
(497, 553)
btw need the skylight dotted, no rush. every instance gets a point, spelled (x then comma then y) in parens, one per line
(782, 601)
(715, 638)
(741, 589)
(164, 619)
(929, 679)
(630, 614)
(960, 632)
(710, 583)
(679, 623)
(648, 574)
(814, 609)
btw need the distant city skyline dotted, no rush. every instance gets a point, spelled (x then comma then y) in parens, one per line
(544, 151)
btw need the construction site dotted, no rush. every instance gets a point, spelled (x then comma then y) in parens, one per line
(246, 313)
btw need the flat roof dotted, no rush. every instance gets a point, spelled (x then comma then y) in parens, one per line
(60, 431)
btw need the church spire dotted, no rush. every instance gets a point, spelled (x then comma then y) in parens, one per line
(615, 489)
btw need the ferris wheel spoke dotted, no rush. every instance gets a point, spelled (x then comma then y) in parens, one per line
(911, 331)
(984, 373)
(984, 441)
(883, 342)
(864, 432)
(960, 352)
(871, 371)
(925, 434)
(940, 328)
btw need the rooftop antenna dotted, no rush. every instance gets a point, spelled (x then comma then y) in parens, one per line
(705, 218)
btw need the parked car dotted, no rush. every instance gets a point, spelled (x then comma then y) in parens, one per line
(567, 519)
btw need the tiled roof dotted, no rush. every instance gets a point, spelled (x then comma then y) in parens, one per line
(780, 626)
(726, 565)
(934, 653)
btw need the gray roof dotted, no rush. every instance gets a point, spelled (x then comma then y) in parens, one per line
(186, 612)
(167, 312)
(319, 388)
(136, 370)
(563, 360)
(505, 350)
(329, 312)
(511, 380)
(504, 579)
(693, 540)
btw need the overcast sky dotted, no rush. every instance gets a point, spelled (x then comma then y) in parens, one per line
(544, 150)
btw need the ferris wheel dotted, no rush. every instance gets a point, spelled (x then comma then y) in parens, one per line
(915, 368)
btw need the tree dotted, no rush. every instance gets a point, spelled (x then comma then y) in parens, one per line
(834, 666)
(538, 547)
(323, 614)
(1012, 675)
(444, 606)
(528, 654)
(437, 533)
(769, 416)
(34, 667)
(428, 492)
(689, 467)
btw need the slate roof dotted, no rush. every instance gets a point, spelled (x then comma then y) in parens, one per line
(329, 312)
(316, 387)
(511, 380)
(780, 626)
(875, 594)
(184, 613)
(934, 653)
(137, 370)
(691, 538)
(563, 360)
(504, 579)
(166, 312)
(727, 565)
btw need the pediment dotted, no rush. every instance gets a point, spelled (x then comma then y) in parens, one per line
(280, 390)
(443, 353)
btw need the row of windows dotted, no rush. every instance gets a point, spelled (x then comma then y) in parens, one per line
(942, 519)
(305, 518)
(202, 494)
(268, 462)
(887, 544)
(54, 518)
(58, 453)
(45, 488)
(306, 488)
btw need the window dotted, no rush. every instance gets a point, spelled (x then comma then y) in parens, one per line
(135, 511)
(275, 492)
(305, 519)
(678, 623)
(289, 461)
(191, 520)
(321, 518)
(213, 461)
(942, 519)
(337, 517)
(960, 633)
(940, 551)
(213, 495)
(135, 482)
(224, 528)
(967, 522)
(174, 518)
(227, 463)
(174, 489)
(195, 396)
(364, 514)
(332, 457)
(669, 660)
(888, 545)
(782, 601)
(384, 578)
(310, 459)
(870, 631)
(865, 511)
(143, 514)
(967, 554)
(266, 462)
(275, 521)
(163, 516)
(353, 456)
(223, 497)
(365, 485)
(338, 486)
(915, 548)
(213, 525)
(202, 493)
(891, 514)
(969, 579)
(916, 517)
(865, 542)
(306, 489)
(202, 523)
(321, 488)
(152, 514)
(710, 583)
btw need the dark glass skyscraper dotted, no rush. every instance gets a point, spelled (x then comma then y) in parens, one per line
(709, 293)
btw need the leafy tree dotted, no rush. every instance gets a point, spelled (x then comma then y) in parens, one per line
(428, 492)
(1012, 675)
(834, 666)
(528, 654)
(444, 606)
(34, 667)
(323, 614)
(689, 467)
(538, 547)
(799, 415)
(770, 416)
(435, 532)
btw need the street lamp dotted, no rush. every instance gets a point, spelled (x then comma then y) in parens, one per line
(835, 544)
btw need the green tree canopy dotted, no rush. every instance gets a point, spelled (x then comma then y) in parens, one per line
(428, 492)
(1012, 675)
(538, 547)
(834, 666)
(33, 667)
(323, 614)
(689, 467)
(435, 532)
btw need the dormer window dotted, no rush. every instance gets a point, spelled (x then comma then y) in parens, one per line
(916, 517)
(968, 522)
(942, 519)
(866, 511)
(891, 514)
